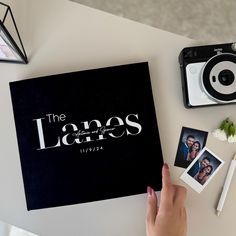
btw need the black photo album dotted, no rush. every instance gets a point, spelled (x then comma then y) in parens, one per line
(87, 136)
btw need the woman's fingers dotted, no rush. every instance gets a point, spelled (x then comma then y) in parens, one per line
(152, 207)
(166, 201)
(180, 194)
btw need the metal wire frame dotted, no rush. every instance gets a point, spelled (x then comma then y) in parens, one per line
(8, 10)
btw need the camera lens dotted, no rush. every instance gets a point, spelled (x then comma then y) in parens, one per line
(226, 77)
(218, 78)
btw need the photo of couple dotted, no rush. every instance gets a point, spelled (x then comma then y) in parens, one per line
(202, 170)
(190, 144)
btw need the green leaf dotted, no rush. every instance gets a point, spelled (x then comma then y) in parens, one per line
(226, 127)
(224, 124)
(232, 129)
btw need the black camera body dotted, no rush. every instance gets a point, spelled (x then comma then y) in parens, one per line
(208, 75)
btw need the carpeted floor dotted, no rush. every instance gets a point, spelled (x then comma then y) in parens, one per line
(210, 21)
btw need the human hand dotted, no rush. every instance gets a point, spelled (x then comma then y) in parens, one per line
(169, 218)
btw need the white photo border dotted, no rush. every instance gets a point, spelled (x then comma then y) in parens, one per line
(191, 181)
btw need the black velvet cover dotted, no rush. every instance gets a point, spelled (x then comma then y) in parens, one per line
(86, 136)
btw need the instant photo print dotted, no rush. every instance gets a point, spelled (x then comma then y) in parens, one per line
(11, 230)
(201, 171)
(191, 142)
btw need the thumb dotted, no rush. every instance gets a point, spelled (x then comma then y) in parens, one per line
(152, 208)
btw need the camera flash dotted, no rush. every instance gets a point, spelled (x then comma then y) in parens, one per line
(233, 46)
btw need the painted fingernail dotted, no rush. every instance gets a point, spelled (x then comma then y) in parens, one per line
(149, 191)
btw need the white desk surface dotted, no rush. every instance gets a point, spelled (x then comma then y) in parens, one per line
(62, 36)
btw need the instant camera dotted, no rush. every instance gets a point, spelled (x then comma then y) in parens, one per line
(208, 75)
